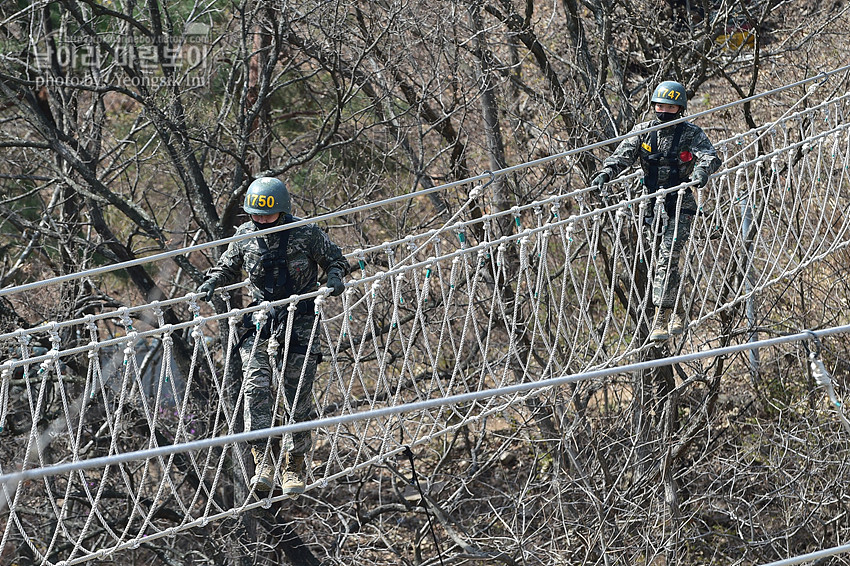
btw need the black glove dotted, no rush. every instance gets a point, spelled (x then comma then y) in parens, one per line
(600, 180)
(700, 177)
(336, 284)
(207, 288)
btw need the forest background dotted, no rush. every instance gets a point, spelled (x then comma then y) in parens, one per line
(131, 129)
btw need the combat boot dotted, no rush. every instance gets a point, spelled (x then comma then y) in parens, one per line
(677, 324)
(659, 325)
(292, 476)
(263, 479)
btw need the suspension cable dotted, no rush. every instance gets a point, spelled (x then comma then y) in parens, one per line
(103, 461)
(400, 198)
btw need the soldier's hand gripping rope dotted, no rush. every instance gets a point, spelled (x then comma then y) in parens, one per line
(207, 289)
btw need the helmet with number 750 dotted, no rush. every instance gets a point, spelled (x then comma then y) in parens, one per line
(670, 92)
(267, 195)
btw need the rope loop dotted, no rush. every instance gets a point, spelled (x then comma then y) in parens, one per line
(817, 342)
(478, 189)
(194, 308)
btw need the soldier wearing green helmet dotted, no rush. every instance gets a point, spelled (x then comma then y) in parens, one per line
(279, 265)
(267, 195)
(672, 93)
(669, 157)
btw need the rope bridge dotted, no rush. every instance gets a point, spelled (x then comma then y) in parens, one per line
(458, 325)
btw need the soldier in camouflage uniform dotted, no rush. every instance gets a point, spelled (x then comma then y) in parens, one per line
(668, 157)
(278, 265)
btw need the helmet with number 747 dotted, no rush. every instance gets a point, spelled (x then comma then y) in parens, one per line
(670, 92)
(267, 195)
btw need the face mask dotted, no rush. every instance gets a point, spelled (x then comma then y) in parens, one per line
(264, 225)
(666, 116)
(282, 219)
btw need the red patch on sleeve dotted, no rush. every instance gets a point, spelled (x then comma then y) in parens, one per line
(686, 156)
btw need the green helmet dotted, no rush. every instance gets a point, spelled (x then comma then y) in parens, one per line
(670, 92)
(267, 195)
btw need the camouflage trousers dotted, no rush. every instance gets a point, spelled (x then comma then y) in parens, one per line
(296, 400)
(675, 232)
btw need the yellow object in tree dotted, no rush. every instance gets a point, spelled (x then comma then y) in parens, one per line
(737, 37)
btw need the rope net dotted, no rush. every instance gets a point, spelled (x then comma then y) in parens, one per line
(560, 287)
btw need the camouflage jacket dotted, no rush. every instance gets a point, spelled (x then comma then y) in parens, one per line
(275, 276)
(664, 166)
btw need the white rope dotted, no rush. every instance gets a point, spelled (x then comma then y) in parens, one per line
(440, 339)
(623, 205)
(354, 210)
(380, 413)
(360, 254)
(812, 556)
